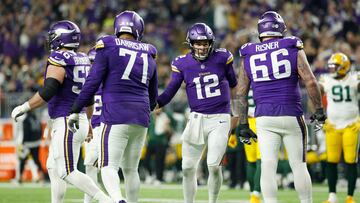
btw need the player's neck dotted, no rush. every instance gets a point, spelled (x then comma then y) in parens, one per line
(65, 49)
(127, 36)
(268, 38)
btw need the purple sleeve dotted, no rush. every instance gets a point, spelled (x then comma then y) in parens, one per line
(153, 90)
(170, 91)
(230, 75)
(92, 83)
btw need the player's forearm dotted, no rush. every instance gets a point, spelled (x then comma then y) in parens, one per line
(87, 93)
(169, 92)
(165, 97)
(153, 92)
(241, 103)
(314, 93)
(36, 101)
(89, 111)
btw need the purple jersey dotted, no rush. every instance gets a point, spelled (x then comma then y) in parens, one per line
(127, 71)
(77, 66)
(95, 119)
(272, 69)
(207, 82)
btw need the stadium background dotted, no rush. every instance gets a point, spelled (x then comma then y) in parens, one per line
(325, 26)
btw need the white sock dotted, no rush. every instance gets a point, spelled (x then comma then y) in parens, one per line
(189, 185)
(58, 186)
(86, 184)
(268, 180)
(302, 181)
(132, 184)
(332, 197)
(255, 193)
(91, 171)
(111, 182)
(214, 182)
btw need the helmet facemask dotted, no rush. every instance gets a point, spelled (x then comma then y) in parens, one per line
(201, 48)
(339, 64)
(340, 71)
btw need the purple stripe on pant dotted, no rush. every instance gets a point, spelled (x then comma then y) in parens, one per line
(302, 125)
(68, 149)
(105, 142)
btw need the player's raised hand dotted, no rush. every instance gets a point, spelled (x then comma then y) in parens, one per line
(245, 133)
(318, 118)
(20, 110)
(73, 122)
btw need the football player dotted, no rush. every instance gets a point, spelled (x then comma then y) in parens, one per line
(342, 126)
(64, 78)
(91, 147)
(273, 68)
(126, 68)
(209, 78)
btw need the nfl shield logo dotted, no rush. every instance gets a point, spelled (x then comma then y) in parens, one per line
(202, 66)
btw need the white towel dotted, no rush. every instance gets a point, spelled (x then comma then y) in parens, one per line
(194, 132)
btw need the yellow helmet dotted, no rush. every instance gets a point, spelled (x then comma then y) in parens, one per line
(340, 62)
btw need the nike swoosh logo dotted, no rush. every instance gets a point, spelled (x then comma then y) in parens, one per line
(222, 121)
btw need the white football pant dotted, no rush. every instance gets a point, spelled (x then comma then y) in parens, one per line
(65, 149)
(91, 157)
(216, 129)
(120, 146)
(292, 131)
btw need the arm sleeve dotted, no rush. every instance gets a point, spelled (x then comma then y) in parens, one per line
(153, 90)
(171, 89)
(92, 83)
(230, 75)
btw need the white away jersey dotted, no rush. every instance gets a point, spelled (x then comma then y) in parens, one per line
(342, 99)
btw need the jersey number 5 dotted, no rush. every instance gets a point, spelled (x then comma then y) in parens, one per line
(79, 73)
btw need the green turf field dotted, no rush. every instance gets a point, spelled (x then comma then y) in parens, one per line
(30, 193)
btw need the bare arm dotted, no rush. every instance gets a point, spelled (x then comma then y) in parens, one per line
(322, 90)
(89, 111)
(55, 72)
(309, 79)
(241, 102)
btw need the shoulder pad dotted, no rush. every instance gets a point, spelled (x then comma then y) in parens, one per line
(295, 41)
(224, 53)
(59, 58)
(175, 64)
(105, 41)
(242, 50)
(153, 51)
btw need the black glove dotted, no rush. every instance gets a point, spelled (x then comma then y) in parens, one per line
(245, 133)
(319, 116)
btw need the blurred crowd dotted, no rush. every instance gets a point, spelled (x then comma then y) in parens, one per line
(325, 26)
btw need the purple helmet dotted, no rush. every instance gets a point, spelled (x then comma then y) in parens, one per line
(129, 22)
(64, 34)
(271, 24)
(200, 32)
(91, 54)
